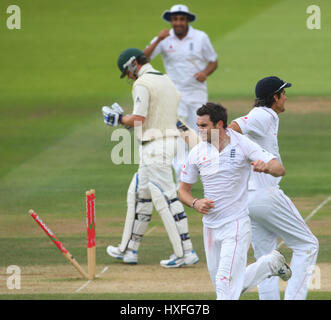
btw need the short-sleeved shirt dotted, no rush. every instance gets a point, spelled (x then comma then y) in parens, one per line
(224, 176)
(182, 58)
(261, 126)
(155, 98)
(140, 101)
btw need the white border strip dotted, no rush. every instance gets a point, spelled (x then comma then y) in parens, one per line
(321, 205)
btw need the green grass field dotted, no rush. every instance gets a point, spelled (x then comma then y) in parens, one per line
(60, 68)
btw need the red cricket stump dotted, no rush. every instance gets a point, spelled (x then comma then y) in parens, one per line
(60, 246)
(90, 227)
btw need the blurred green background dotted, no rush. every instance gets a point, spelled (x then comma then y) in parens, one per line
(66, 51)
(60, 67)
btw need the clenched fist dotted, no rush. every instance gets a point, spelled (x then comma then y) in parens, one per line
(203, 205)
(163, 34)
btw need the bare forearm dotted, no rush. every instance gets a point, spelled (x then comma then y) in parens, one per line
(161, 36)
(185, 196)
(275, 168)
(132, 120)
(149, 50)
(202, 75)
(201, 205)
(211, 67)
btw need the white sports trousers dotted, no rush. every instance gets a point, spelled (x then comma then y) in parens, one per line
(226, 253)
(274, 215)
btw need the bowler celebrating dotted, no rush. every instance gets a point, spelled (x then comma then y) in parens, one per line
(223, 162)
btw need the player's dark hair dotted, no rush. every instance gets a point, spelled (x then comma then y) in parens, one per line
(215, 111)
(267, 101)
(142, 59)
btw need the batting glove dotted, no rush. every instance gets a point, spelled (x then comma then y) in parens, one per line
(181, 126)
(117, 108)
(111, 117)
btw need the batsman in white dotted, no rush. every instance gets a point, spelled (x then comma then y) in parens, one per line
(223, 161)
(189, 58)
(156, 101)
(272, 213)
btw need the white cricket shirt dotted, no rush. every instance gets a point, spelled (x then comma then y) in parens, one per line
(156, 98)
(224, 176)
(184, 58)
(261, 126)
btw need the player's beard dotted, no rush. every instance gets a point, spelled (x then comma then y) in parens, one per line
(181, 32)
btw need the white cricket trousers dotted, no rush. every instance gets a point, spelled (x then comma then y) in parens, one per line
(155, 166)
(226, 253)
(273, 215)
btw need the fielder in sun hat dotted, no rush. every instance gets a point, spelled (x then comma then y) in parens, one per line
(178, 9)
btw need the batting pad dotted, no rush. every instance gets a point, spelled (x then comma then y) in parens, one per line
(139, 212)
(162, 205)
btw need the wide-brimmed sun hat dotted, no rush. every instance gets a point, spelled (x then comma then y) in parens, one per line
(178, 9)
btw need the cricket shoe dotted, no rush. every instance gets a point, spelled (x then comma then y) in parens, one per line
(176, 262)
(129, 256)
(281, 269)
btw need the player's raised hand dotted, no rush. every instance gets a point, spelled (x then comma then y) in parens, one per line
(203, 205)
(163, 34)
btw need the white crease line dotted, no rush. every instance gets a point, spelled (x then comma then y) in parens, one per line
(150, 231)
(322, 204)
(318, 208)
(103, 271)
(83, 286)
(88, 282)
